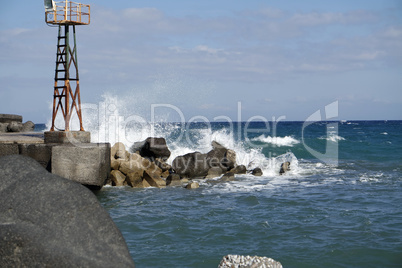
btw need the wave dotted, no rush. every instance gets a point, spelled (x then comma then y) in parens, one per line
(116, 120)
(278, 141)
(332, 137)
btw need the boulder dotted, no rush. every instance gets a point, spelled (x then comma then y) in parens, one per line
(240, 169)
(154, 180)
(214, 172)
(192, 185)
(150, 167)
(165, 174)
(284, 167)
(49, 221)
(134, 179)
(221, 157)
(228, 176)
(231, 159)
(130, 166)
(162, 164)
(257, 172)
(28, 126)
(197, 165)
(117, 178)
(152, 148)
(115, 163)
(173, 180)
(14, 127)
(191, 165)
(118, 151)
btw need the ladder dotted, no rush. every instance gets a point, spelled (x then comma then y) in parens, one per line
(64, 97)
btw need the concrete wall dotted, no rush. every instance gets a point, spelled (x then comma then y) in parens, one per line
(88, 164)
(8, 149)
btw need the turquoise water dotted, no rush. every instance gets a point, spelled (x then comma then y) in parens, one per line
(346, 212)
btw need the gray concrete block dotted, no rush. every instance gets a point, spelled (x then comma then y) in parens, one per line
(8, 149)
(67, 137)
(86, 163)
(42, 153)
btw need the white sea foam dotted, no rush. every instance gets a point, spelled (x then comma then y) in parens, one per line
(278, 141)
(113, 120)
(332, 137)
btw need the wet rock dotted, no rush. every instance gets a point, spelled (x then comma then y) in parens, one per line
(162, 164)
(135, 179)
(231, 159)
(257, 172)
(221, 157)
(130, 166)
(152, 148)
(173, 180)
(153, 180)
(118, 151)
(49, 221)
(192, 185)
(117, 178)
(197, 165)
(214, 172)
(115, 163)
(240, 169)
(228, 176)
(284, 167)
(191, 165)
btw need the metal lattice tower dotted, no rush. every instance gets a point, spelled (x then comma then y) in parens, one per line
(66, 97)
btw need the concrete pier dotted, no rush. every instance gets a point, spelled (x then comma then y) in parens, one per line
(69, 155)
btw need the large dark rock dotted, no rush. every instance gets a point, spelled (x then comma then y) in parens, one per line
(257, 172)
(48, 221)
(221, 157)
(152, 148)
(191, 165)
(240, 169)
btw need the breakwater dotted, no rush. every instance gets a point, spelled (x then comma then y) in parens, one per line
(69, 154)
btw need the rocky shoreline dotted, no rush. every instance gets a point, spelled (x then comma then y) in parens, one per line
(144, 165)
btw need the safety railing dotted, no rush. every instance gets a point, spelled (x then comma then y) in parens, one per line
(68, 12)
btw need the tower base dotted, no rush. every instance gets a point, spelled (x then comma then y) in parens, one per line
(67, 137)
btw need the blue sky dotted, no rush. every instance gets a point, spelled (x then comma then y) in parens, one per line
(278, 58)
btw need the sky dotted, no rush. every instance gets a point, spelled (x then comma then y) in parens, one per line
(213, 59)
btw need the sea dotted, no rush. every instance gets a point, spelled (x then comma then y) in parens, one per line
(339, 205)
